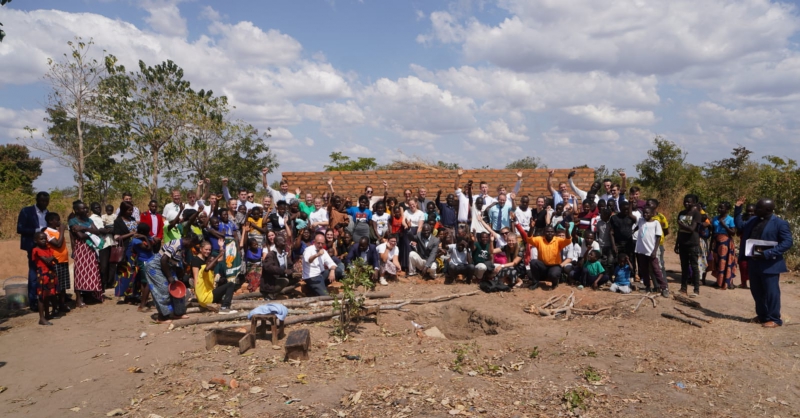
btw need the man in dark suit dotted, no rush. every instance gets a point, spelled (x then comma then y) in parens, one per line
(29, 222)
(424, 249)
(277, 271)
(366, 251)
(765, 267)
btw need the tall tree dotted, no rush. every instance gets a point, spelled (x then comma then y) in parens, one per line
(2, 33)
(151, 106)
(74, 85)
(18, 170)
(665, 170)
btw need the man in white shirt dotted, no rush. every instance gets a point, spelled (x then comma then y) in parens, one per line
(463, 199)
(242, 195)
(277, 195)
(191, 201)
(524, 214)
(318, 267)
(172, 209)
(127, 197)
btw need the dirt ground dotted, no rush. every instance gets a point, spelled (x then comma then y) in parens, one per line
(497, 361)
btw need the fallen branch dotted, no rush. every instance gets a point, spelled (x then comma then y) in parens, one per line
(686, 301)
(677, 318)
(590, 311)
(692, 315)
(314, 302)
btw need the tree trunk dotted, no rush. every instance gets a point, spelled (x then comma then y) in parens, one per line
(80, 156)
(154, 185)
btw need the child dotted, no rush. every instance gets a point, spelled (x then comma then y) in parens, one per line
(593, 271)
(253, 256)
(256, 226)
(142, 248)
(45, 262)
(649, 236)
(622, 275)
(109, 217)
(653, 203)
(55, 239)
(380, 219)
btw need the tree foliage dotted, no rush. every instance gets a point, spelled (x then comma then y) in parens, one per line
(18, 170)
(341, 162)
(665, 169)
(527, 163)
(2, 33)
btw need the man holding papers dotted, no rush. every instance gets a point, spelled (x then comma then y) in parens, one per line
(765, 238)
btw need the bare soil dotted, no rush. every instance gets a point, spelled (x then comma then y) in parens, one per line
(497, 361)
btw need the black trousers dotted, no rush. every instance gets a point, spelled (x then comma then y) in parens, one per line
(544, 272)
(223, 294)
(689, 266)
(465, 270)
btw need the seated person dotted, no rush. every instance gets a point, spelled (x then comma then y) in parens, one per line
(367, 252)
(277, 272)
(622, 275)
(424, 249)
(547, 267)
(319, 270)
(592, 272)
(390, 259)
(460, 262)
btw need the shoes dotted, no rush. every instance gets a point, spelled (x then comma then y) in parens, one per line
(665, 293)
(646, 290)
(227, 311)
(684, 290)
(534, 286)
(580, 287)
(383, 282)
(694, 295)
(744, 286)
(770, 324)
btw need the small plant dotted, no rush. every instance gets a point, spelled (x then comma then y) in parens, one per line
(348, 303)
(576, 398)
(591, 353)
(461, 357)
(534, 353)
(591, 375)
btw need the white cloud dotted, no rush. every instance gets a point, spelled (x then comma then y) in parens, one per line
(208, 12)
(498, 132)
(251, 45)
(606, 115)
(165, 17)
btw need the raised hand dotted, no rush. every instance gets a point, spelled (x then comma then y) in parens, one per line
(297, 190)
(224, 181)
(200, 183)
(571, 174)
(740, 201)
(330, 181)
(551, 172)
(207, 180)
(519, 174)
(460, 172)
(622, 174)
(385, 184)
(265, 170)
(221, 243)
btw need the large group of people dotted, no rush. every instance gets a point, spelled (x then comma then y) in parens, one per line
(216, 244)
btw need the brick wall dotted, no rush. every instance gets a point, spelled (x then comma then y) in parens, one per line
(351, 183)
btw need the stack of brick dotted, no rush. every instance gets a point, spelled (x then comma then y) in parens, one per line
(351, 183)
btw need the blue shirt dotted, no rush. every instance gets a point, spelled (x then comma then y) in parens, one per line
(623, 275)
(142, 255)
(359, 215)
(448, 215)
(499, 212)
(717, 226)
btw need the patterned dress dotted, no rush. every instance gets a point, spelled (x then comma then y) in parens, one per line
(44, 274)
(86, 270)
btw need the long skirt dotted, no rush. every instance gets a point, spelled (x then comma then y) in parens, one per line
(127, 270)
(253, 276)
(723, 260)
(159, 288)
(87, 271)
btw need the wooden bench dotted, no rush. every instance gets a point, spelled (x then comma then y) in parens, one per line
(237, 339)
(275, 324)
(297, 345)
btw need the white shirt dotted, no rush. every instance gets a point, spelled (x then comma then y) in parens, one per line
(381, 223)
(585, 249)
(394, 252)
(487, 200)
(154, 222)
(476, 225)
(415, 219)
(171, 211)
(315, 268)
(571, 251)
(108, 240)
(196, 205)
(457, 257)
(282, 259)
(277, 196)
(524, 217)
(463, 206)
(646, 241)
(319, 215)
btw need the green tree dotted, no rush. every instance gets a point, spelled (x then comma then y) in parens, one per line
(665, 171)
(729, 178)
(527, 163)
(18, 170)
(447, 166)
(341, 162)
(152, 106)
(73, 95)
(2, 33)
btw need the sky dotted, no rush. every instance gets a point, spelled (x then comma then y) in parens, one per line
(479, 83)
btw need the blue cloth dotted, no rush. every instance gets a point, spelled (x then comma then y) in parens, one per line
(776, 230)
(270, 309)
(359, 215)
(211, 240)
(253, 257)
(767, 296)
(716, 225)
(622, 275)
(300, 224)
(142, 255)
(448, 215)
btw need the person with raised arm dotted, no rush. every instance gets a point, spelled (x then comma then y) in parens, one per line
(277, 195)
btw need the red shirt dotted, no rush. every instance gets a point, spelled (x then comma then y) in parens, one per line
(36, 257)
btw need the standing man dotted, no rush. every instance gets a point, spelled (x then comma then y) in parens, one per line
(765, 264)
(242, 195)
(422, 199)
(557, 193)
(127, 197)
(277, 195)
(29, 222)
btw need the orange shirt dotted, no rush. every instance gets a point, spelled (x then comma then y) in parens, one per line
(549, 252)
(60, 253)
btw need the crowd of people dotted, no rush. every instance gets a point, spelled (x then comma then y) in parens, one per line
(216, 244)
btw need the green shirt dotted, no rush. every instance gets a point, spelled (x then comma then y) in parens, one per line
(308, 209)
(594, 268)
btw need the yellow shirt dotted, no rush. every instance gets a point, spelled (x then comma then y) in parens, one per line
(549, 252)
(664, 225)
(204, 286)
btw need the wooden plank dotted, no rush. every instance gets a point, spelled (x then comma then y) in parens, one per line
(297, 344)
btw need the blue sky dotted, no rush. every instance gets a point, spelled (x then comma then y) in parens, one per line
(474, 82)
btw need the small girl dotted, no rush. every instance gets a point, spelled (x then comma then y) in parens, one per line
(45, 262)
(57, 243)
(253, 256)
(622, 273)
(256, 226)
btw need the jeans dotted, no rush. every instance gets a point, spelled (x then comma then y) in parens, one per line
(689, 266)
(318, 284)
(223, 294)
(544, 272)
(647, 265)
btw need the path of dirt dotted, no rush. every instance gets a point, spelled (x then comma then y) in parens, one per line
(498, 361)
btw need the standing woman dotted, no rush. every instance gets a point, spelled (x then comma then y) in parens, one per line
(124, 229)
(337, 214)
(86, 269)
(413, 219)
(723, 249)
(407, 196)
